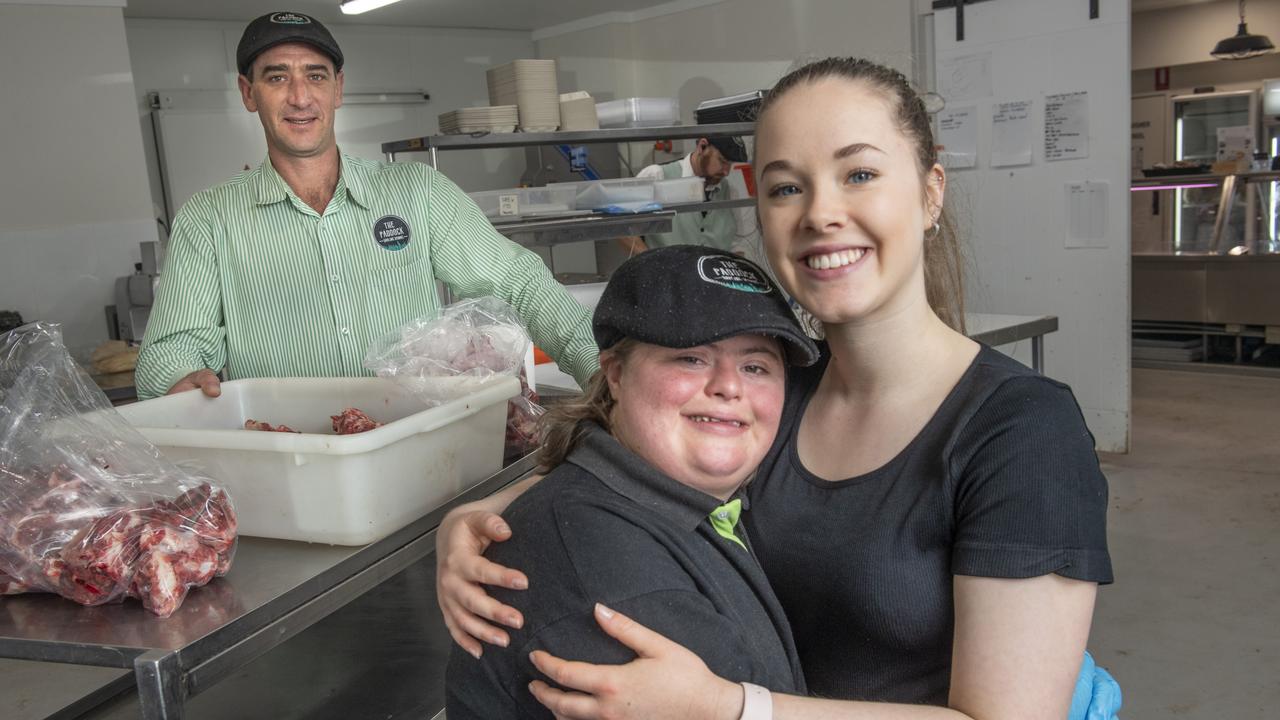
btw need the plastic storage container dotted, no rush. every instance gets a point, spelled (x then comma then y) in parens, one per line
(680, 190)
(638, 112)
(600, 193)
(320, 487)
(522, 202)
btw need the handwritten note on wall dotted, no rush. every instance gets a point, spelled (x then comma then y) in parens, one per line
(1011, 133)
(958, 135)
(1066, 126)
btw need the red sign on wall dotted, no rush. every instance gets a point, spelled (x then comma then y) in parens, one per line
(1162, 78)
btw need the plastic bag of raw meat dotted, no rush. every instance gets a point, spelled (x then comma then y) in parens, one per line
(88, 508)
(446, 356)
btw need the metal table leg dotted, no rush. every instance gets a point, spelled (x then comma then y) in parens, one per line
(161, 691)
(1037, 353)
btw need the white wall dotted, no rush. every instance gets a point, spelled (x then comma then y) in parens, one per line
(1015, 217)
(197, 58)
(1182, 35)
(73, 191)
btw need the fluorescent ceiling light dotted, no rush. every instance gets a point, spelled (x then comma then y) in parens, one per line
(355, 7)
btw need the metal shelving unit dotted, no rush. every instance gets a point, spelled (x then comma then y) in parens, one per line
(552, 230)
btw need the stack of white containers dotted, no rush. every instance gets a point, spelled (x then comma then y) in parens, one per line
(530, 85)
(501, 118)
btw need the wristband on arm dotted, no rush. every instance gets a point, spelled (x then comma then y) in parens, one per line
(757, 703)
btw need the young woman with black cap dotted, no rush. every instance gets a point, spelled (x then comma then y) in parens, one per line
(641, 504)
(932, 516)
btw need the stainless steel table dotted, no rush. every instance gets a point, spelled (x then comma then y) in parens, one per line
(275, 590)
(1004, 329)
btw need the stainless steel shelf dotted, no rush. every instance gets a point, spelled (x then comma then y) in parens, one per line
(553, 230)
(577, 137)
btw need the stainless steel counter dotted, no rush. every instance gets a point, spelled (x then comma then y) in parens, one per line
(1212, 289)
(275, 590)
(998, 330)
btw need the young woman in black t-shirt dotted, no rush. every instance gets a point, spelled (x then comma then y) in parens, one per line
(932, 516)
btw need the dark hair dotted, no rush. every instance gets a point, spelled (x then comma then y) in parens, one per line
(943, 258)
(561, 427)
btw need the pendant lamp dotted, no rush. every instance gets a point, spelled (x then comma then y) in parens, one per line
(1242, 45)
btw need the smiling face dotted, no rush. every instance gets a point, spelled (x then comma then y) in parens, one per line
(704, 415)
(295, 92)
(842, 201)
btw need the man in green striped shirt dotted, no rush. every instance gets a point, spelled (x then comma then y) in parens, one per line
(294, 268)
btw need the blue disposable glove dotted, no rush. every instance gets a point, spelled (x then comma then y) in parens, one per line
(1097, 695)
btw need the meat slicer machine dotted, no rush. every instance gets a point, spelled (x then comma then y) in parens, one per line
(134, 294)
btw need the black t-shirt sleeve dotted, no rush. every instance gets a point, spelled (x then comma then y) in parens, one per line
(1029, 497)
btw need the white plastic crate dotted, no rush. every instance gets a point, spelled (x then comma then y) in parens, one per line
(320, 487)
(523, 202)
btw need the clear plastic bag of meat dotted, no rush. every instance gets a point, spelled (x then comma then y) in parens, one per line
(452, 354)
(88, 508)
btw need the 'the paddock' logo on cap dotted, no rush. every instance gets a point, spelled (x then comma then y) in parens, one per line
(288, 18)
(733, 273)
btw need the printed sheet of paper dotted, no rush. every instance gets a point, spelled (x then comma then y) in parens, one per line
(1011, 133)
(1066, 126)
(958, 136)
(1235, 143)
(1087, 214)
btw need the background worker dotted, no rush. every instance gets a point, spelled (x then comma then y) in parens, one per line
(711, 160)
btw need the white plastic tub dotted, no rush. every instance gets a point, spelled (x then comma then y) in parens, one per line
(601, 193)
(680, 190)
(320, 487)
(638, 112)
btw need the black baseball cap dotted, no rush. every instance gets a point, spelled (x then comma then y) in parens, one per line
(283, 27)
(732, 148)
(681, 296)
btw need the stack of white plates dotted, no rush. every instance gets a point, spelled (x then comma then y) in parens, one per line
(578, 112)
(531, 85)
(498, 118)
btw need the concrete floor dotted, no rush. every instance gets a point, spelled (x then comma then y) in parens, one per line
(1191, 627)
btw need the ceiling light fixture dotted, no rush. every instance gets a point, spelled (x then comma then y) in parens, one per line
(1242, 45)
(355, 7)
